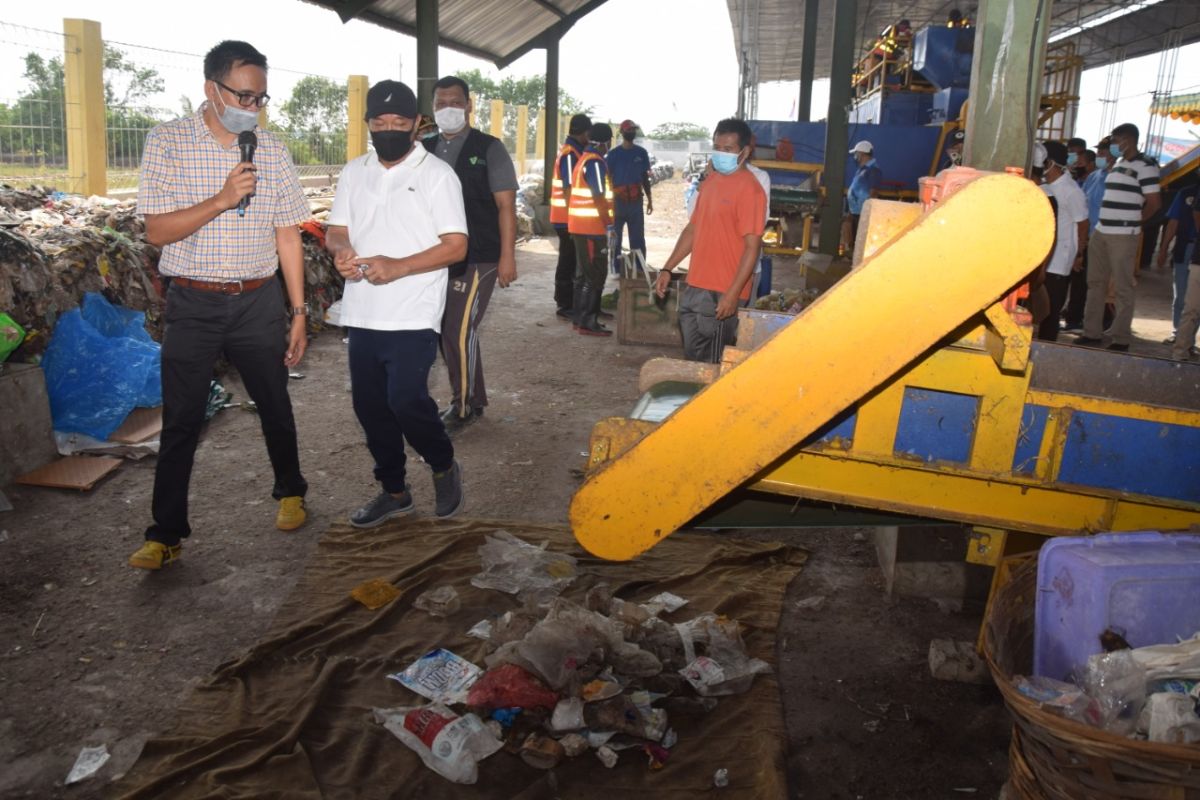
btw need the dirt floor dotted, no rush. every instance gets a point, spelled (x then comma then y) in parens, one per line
(93, 652)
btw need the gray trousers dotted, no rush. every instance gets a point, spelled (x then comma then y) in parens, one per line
(704, 336)
(1111, 257)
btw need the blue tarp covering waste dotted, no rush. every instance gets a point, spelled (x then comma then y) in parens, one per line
(99, 366)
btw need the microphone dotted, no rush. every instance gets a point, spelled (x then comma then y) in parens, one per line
(247, 142)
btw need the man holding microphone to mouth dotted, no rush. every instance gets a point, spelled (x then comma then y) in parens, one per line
(397, 223)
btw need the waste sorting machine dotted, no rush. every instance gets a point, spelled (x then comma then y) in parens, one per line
(911, 387)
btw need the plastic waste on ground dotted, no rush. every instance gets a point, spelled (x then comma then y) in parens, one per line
(440, 675)
(11, 336)
(721, 778)
(1117, 682)
(510, 686)
(517, 567)
(449, 744)
(725, 668)
(87, 764)
(441, 601)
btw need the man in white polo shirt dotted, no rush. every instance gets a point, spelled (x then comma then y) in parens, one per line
(1071, 234)
(397, 223)
(1131, 196)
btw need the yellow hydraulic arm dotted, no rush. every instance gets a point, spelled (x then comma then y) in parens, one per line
(952, 263)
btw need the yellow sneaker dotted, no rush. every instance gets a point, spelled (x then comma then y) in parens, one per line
(155, 555)
(291, 514)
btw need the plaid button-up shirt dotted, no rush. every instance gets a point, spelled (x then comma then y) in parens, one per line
(183, 164)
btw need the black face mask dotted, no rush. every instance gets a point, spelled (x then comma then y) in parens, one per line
(629, 137)
(391, 146)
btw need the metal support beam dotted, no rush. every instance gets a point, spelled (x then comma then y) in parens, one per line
(83, 88)
(1006, 82)
(427, 54)
(549, 134)
(837, 123)
(808, 60)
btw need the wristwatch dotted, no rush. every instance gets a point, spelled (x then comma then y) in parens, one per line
(300, 311)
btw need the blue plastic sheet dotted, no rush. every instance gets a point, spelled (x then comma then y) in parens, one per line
(99, 366)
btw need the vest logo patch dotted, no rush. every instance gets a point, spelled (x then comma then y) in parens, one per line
(476, 161)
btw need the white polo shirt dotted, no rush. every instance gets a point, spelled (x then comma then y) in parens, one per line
(395, 213)
(1072, 209)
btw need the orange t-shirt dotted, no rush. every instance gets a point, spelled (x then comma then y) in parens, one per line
(729, 208)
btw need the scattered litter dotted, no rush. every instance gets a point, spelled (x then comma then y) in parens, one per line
(725, 669)
(956, 661)
(568, 715)
(598, 739)
(439, 602)
(657, 755)
(516, 567)
(721, 778)
(573, 745)
(440, 675)
(670, 738)
(296, 376)
(481, 630)
(541, 752)
(89, 762)
(510, 686)
(375, 593)
(859, 536)
(607, 756)
(813, 603)
(505, 717)
(1172, 718)
(37, 625)
(664, 601)
(448, 744)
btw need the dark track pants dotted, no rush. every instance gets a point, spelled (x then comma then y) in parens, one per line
(467, 298)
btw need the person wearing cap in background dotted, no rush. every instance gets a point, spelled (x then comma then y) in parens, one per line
(952, 157)
(1131, 196)
(220, 257)
(589, 218)
(863, 187)
(489, 183)
(723, 238)
(396, 224)
(1071, 234)
(629, 170)
(560, 192)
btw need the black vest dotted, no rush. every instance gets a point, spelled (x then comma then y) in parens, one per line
(483, 217)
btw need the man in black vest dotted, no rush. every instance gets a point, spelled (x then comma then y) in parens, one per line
(489, 184)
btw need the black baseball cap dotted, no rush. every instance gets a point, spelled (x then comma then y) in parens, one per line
(600, 133)
(1056, 152)
(391, 97)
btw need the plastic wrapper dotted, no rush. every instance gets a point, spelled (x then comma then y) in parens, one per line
(450, 745)
(439, 602)
(510, 686)
(560, 643)
(607, 756)
(99, 366)
(723, 668)
(87, 764)
(568, 715)
(573, 745)
(11, 336)
(440, 675)
(1172, 718)
(1063, 698)
(541, 752)
(517, 567)
(1180, 660)
(1117, 682)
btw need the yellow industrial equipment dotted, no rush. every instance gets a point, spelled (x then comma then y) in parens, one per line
(909, 387)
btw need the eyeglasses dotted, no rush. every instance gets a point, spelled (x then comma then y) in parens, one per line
(246, 99)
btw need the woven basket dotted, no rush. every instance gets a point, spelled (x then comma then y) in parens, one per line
(1052, 758)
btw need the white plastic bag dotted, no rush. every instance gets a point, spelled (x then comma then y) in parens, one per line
(450, 745)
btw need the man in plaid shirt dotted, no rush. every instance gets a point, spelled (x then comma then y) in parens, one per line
(221, 255)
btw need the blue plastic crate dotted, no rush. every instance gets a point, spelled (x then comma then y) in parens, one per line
(1145, 585)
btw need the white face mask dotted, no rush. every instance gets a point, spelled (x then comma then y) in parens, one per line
(450, 119)
(235, 120)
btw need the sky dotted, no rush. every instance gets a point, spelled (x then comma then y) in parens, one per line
(679, 66)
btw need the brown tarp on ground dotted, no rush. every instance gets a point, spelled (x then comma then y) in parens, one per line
(292, 717)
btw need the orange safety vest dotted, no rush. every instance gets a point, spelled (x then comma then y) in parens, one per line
(583, 215)
(558, 197)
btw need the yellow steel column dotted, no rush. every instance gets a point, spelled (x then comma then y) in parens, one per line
(522, 133)
(540, 138)
(356, 111)
(498, 119)
(474, 105)
(83, 87)
(834, 354)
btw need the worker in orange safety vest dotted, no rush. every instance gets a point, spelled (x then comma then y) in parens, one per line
(589, 221)
(560, 190)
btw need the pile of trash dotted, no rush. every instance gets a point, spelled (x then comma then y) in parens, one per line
(529, 194)
(562, 679)
(1150, 693)
(789, 301)
(55, 248)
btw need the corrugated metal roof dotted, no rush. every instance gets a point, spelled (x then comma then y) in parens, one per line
(774, 29)
(500, 31)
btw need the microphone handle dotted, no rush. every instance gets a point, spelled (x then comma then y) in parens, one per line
(244, 203)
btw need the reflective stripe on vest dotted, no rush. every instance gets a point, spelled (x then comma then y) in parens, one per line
(558, 197)
(584, 216)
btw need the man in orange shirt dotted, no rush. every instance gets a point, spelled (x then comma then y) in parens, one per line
(723, 239)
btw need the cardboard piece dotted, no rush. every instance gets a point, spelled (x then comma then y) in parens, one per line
(71, 472)
(140, 425)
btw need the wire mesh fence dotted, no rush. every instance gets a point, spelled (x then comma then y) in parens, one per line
(33, 143)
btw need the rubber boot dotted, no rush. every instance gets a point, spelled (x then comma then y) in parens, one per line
(588, 326)
(578, 312)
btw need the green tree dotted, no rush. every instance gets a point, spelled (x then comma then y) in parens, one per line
(314, 121)
(529, 91)
(679, 130)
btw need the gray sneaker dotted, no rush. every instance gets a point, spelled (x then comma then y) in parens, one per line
(448, 490)
(381, 509)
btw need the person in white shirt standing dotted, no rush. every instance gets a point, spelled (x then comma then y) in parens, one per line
(1071, 234)
(1131, 196)
(397, 223)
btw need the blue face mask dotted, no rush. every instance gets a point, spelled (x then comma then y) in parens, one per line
(1072, 158)
(725, 163)
(1101, 162)
(1114, 150)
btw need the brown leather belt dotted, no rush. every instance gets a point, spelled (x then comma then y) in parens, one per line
(223, 287)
